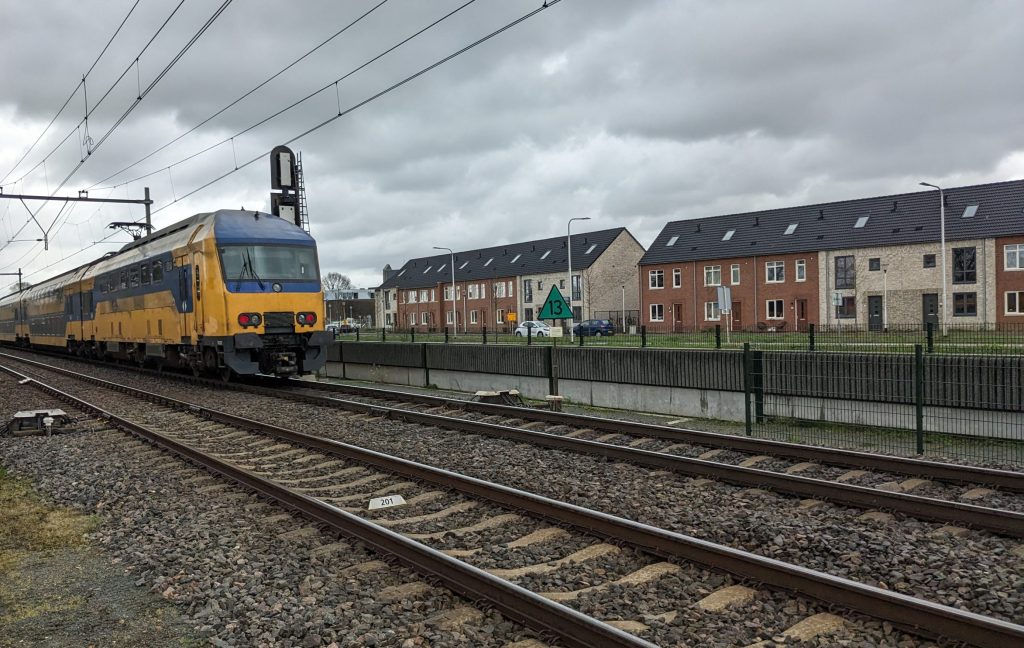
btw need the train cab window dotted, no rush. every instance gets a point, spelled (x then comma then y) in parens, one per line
(134, 273)
(158, 273)
(124, 279)
(146, 274)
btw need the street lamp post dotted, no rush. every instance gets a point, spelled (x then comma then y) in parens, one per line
(885, 297)
(942, 236)
(455, 317)
(568, 237)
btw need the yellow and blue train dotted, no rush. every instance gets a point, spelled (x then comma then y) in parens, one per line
(227, 292)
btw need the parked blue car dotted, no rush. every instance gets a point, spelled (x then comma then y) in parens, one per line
(597, 328)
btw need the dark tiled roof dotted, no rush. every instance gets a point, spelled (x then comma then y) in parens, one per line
(514, 259)
(899, 219)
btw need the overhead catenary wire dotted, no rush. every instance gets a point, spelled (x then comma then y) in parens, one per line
(107, 93)
(547, 5)
(245, 95)
(296, 103)
(72, 95)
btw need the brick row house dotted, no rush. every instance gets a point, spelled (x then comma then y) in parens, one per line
(515, 278)
(870, 263)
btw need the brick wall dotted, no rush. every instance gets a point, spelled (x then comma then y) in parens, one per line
(1008, 280)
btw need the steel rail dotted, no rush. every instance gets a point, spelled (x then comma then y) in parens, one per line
(518, 603)
(918, 615)
(1001, 521)
(955, 473)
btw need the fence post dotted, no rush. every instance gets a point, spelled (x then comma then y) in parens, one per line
(446, 335)
(746, 389)
(529, 335)
(580, 336)
(931, 337)
(718, 336)
(426, 367)
(810, 336)
(485, 334)
(357, 335)
(919, 395)
(643, 336)
(341, 357)
(412, 335)
(383, 335)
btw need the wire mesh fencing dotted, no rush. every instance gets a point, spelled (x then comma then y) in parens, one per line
(948, 406)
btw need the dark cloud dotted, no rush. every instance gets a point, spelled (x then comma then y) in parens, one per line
(632, 113)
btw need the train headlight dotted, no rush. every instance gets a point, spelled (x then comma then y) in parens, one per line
(306, 319)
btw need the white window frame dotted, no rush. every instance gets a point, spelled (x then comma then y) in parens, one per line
(734, 274)
(413, 296)
(776, 268)
(499, 316)
(711, 312)
(660, 274)
(779, 308)
(499, 289)
(474, 290)
(1020, 303)
(472, 317)
(423, 295)
(425, 318)
(709, 277)
(447, 293)
(1017, 250)
(449, 317)
(483, 291)
(677, 278)
(412, 319)
(801, 269)
(433, 294)
(657, 313)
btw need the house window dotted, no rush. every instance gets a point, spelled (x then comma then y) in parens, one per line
(1013, 256)
(677, 278)
(775, 271)
(801, 270)
(1015, 302)
(528, 291)
(847, 309)
(775, 309)
(472, 317)
(499, 289)
(511, 288)
(423, 296)
(735, 272)
(425, 318)
(577, 288)
(656, 278)
(929, 261)
(411, 297)
(711, 312)
(449, 317)
(561, 284)
(874, 264)
(447, 293)
(713, 276)
(412, 319)
(657, 313)
(483, 291)
(387, 318)
(965, 265)
(499, 316)
(965, 304)
(433, 294)
(846, 273)
(473, 291)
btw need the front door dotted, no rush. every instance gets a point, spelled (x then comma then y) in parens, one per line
(737, 316)
(801, 314)
(874, 313)
(930, 309)
(677, 316)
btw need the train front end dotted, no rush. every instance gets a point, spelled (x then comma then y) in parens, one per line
(273, 303)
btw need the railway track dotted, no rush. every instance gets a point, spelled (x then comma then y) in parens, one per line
(820, 474)
(323, 478)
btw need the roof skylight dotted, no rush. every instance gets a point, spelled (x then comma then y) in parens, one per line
(464, 264)
(443, 266)
(402, 272)
(728, 235)
(428, 269)
(861, 222)
(672, 241)
(545, 255)
(591, 248)
(489, 262)
(970, 211)
(790, 229)
(515, 258)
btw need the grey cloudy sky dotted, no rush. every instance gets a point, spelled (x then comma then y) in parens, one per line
(631, 112)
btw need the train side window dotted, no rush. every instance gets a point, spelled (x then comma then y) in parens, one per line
(103, 284)
(134, 274)
(158, 273)
(146, 275)
(124, 279)
(168, 266)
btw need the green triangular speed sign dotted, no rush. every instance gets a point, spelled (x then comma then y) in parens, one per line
(555, 306)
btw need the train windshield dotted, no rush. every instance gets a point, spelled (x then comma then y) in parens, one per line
(269, 263)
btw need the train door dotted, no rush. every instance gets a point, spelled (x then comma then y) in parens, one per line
(197, 263)
(184, 298)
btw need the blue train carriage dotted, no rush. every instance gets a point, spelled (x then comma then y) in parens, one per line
(227, 292)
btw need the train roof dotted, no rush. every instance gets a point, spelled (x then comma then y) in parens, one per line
(227, 225)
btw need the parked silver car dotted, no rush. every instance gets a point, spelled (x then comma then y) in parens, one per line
(539, 329)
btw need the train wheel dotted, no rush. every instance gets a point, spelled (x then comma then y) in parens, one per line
(226, 374)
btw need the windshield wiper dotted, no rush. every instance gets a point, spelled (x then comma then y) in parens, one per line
(252, 271)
